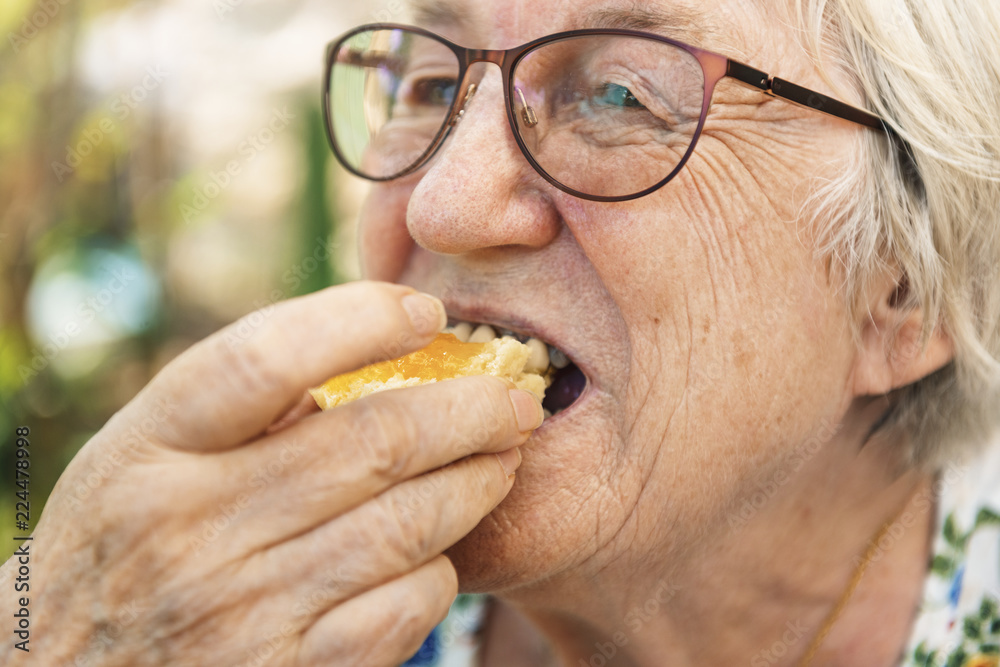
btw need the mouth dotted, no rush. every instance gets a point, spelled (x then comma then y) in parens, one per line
(568, 381)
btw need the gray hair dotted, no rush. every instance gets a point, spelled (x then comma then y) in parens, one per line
(928, 205)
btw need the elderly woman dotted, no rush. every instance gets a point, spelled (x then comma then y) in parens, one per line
(764, 236)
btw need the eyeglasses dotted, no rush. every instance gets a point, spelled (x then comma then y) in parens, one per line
(605, 115)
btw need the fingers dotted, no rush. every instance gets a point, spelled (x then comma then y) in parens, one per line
(329, 463)
(306, 406)
(231, 386)
(384, 626)
(399, 531)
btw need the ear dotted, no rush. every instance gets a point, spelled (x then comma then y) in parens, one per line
(891, 354)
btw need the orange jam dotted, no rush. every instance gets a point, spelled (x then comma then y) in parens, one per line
(444, 358)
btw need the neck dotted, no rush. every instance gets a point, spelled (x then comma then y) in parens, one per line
(759, 591)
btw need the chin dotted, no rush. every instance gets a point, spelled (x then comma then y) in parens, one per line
(547, 529)
(564, 503)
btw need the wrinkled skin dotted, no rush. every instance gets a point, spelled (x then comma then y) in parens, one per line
(720, 365)
(716, 343)
(237, 524)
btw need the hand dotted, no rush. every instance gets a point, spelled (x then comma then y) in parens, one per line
(213, 522)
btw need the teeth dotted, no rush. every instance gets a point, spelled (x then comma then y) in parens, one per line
(558, 358)
(542, 354)
(538, 362)
(462, 331)
(483, 334)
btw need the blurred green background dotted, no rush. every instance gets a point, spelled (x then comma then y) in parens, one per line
(163, 171)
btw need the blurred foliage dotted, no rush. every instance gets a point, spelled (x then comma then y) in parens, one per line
(89, 197)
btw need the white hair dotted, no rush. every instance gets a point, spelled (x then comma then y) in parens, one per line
(926, 204)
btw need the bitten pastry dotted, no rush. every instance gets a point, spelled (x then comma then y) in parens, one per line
(446, 357)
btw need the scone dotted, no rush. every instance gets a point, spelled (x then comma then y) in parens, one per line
(446, 357)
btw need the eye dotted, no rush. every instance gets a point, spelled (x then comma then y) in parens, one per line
(431, 91)
(611, 94)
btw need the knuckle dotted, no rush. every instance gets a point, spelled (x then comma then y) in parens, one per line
(248, 367)
(484, 406)
(378, 306)
(385, 434)
(374, 300)
(400, 529)
(489, 477)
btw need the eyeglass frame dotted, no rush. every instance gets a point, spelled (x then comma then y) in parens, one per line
(715, 67)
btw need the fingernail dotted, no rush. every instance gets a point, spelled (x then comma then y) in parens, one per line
(426, 313)
(510, 460)
(527, 408)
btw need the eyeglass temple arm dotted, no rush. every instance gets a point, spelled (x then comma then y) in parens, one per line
(802, 96)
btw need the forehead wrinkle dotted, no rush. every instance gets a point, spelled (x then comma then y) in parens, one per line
(721, 31)
(681, 23)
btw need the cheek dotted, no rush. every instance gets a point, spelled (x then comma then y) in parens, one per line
(739, 344)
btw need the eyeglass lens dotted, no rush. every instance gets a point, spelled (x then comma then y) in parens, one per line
(604, 115)
(391, 92)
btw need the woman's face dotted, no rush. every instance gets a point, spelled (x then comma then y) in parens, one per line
(713, 341)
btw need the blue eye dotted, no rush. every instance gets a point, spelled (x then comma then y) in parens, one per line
(611, 94)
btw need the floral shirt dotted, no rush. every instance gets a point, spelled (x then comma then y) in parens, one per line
(957, 624)
(453, 642)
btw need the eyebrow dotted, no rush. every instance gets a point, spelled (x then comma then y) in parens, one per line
(686, 24)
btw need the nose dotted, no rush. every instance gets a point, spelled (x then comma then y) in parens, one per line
(479, 191)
